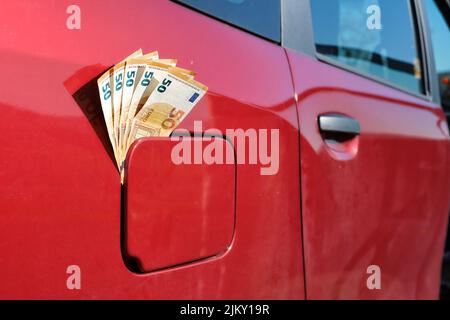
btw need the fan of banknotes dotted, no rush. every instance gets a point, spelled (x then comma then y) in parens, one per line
(145, 96)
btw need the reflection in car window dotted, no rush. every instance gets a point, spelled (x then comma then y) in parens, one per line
(262, 17)
(440, 37)
(376, 37)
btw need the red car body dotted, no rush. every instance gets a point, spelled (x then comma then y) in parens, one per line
(308, 232)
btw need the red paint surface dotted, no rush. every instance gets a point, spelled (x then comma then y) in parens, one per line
(387, 204)
(177, 213)
(60, 197)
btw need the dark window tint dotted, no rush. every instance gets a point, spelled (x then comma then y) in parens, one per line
(376, 37)
(440, 37)
(262, 17)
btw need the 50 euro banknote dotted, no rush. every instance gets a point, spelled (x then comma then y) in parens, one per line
(171, 101)
(107, 85)
(154, 73)
(118, 81)
(133, 71)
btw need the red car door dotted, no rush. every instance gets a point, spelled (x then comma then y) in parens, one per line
(374, 155)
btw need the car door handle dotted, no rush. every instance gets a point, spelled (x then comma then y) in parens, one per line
(339, 124)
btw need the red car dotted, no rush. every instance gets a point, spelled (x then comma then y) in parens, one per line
(355, 208)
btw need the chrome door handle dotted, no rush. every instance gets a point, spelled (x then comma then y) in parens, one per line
(336, 123)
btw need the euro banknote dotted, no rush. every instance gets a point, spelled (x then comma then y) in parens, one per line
(106, 89)
(118, 75)
(172, 100)
(143, 96)
(154, 73)
(134, 69)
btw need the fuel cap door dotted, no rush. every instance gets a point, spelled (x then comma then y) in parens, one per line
(176, 214)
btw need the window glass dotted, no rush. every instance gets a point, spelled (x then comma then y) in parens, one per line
(262, 17)
(440, 37)
(376, 37)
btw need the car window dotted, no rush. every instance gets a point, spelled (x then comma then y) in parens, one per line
(375, 37)
(262, 17)
(440, 37)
